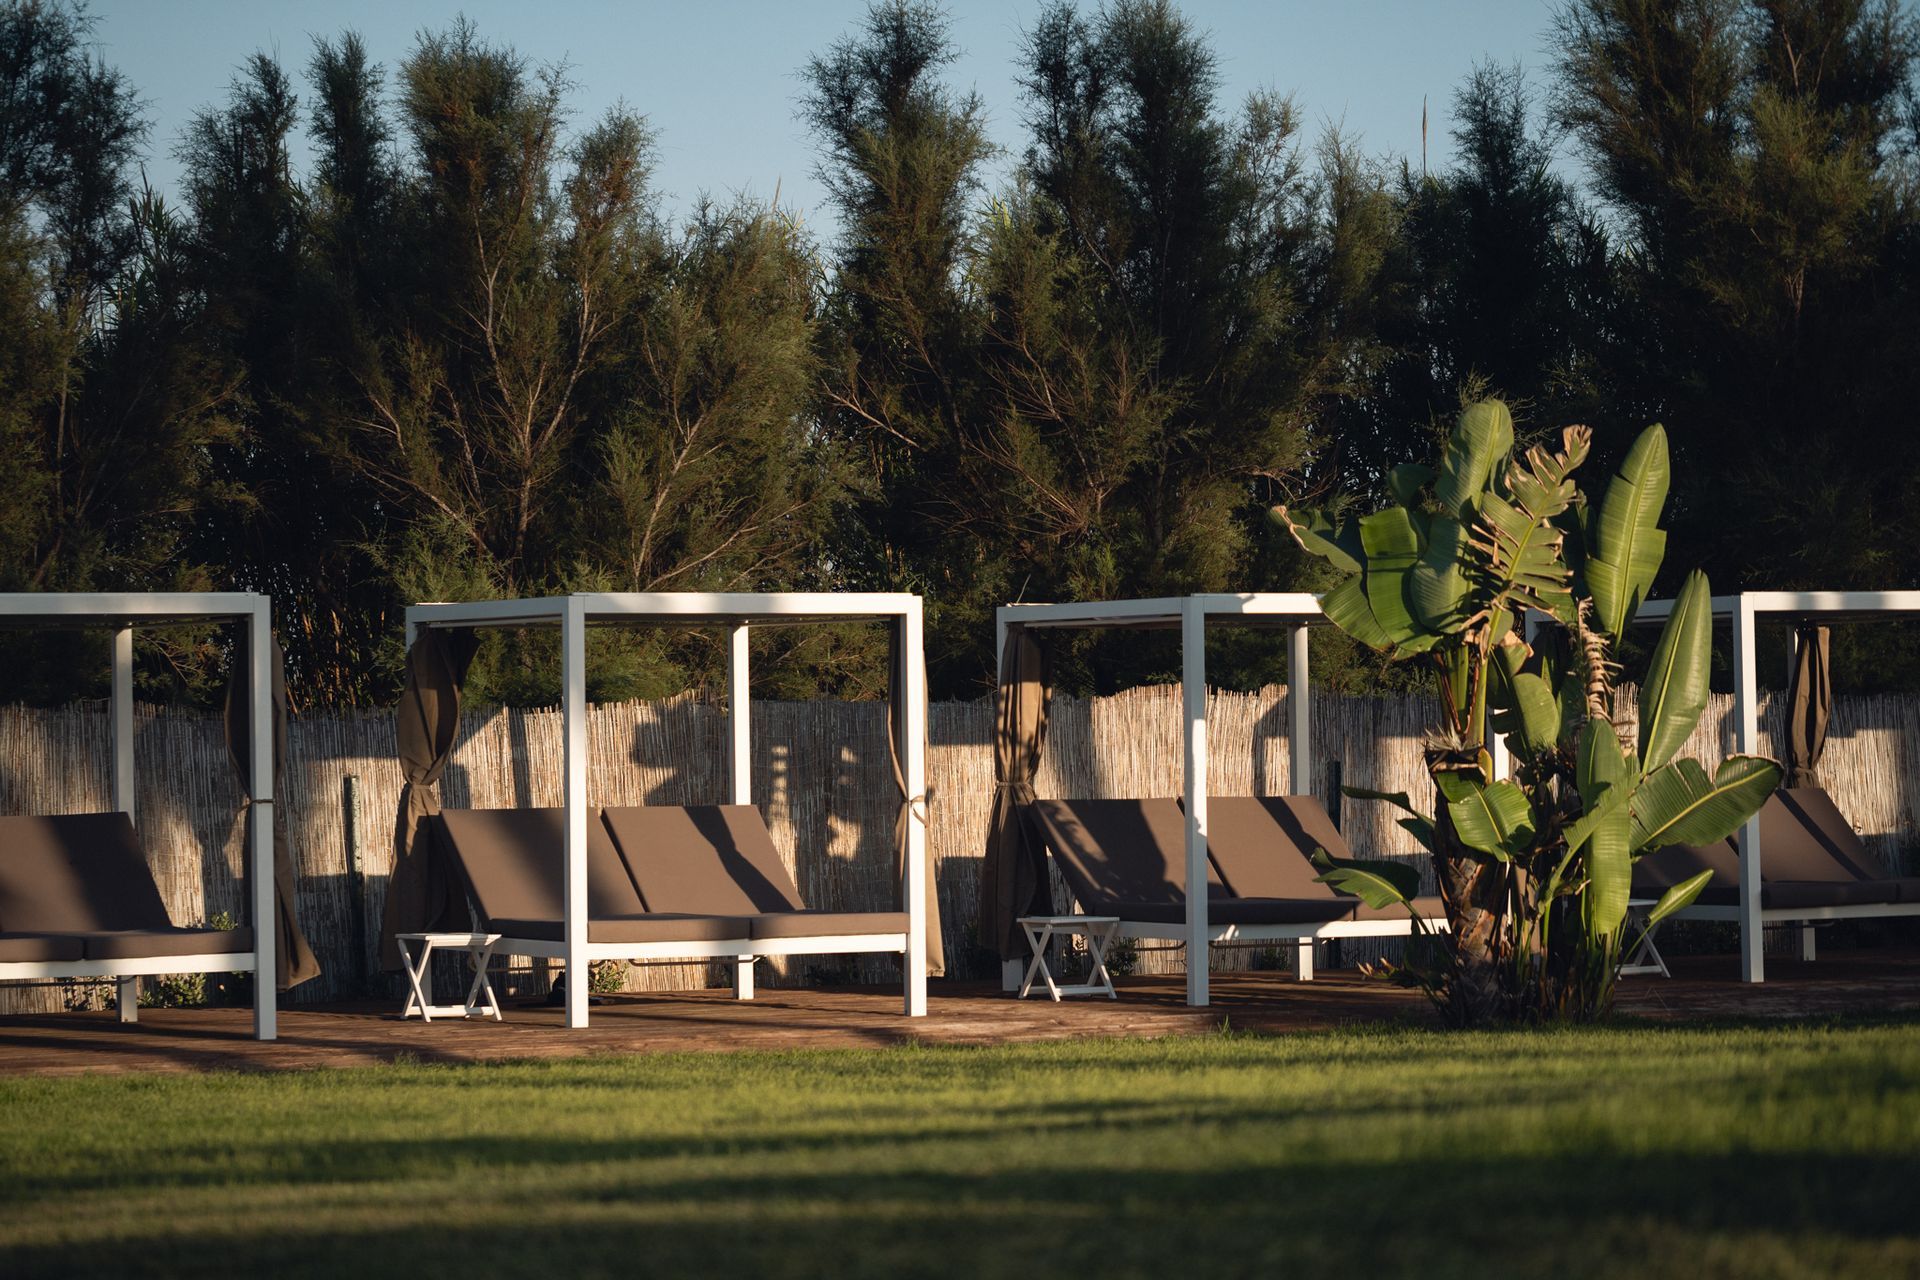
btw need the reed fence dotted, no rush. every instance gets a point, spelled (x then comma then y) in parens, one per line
(821, 776)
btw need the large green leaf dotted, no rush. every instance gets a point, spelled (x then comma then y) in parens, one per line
(1599, 763)
(1417, 824)
(1627, 543)
(1523, 705)
(1315, 531)
(1378, 882)
(1675, 690)
(1679, 804)
(1609, 865)
(1481, 440)
(1347, 608)
(1495, 819)
(1392, 545)
(1678, 898)
(1438, 587)
(1406, 481)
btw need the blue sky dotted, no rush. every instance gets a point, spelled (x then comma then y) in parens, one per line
(719, 80)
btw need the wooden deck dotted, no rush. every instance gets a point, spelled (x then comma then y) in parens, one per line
(1871, 983)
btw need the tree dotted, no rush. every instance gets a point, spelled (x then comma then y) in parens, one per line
(1759, 163)
(1535, 872)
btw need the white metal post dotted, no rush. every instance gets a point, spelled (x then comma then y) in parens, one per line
(573, 736)
(1011, 971)
(739, 717)
(1193, 701)
(127, 990)
(259, 658)
(740, 762)
(1747, 741)
(123, 782)
(1299, 716)
(914, 766)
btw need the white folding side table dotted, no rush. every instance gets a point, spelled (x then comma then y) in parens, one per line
(1099, 931)
(1646, 957)
(479, 995)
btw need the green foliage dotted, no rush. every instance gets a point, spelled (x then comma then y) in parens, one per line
(1537, 870)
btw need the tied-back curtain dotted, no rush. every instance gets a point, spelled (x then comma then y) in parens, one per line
(1809, 705)
(912, 808)
(293, 959)
(1013, 877)
(423, 893)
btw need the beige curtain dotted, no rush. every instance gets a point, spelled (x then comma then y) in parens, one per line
(423, 892)
(1809, 705)
(1013, 877)
(293, 960)
(912, 808)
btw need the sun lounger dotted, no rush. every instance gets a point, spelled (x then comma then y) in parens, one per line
(1127, 858)
(78, 900)
(1813, 867)
(513, 863)
(719, 860)
(1263, 847)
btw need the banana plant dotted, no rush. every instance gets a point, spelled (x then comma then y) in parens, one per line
(1492, 569)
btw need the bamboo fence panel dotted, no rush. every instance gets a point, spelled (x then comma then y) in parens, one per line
(823, 778)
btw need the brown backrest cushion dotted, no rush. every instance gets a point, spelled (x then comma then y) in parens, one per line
(1657, 872)
(1263, 845)
(76, 873)
(1793, 848)
(711, 859)
(514, 862)
(1824, 826)
(1116, 853)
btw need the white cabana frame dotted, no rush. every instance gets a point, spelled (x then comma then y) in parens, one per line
(121, 613)
(1292, 611)
(1743, 613)
(737, 611)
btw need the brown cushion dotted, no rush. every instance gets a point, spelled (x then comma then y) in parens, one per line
(145, 944)
(1804, 838)
(1655, 873)
(827, 924)
(514, 863)
(1123, 858)
(25, 948)
(1263, 845)
(715, 859)
(1786, 895)
(1822, 823)
(76, 873)
(643, 928)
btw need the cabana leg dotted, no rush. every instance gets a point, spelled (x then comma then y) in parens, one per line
(127, 998)
(743, 978)
(1303, 960)
(1806, 943)
(1011, 972)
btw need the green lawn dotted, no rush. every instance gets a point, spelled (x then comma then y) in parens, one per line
(1621, 1152)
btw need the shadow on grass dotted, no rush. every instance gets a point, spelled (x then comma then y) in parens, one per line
(1466, 1215)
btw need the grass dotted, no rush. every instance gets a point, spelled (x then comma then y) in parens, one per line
(1696, 1152)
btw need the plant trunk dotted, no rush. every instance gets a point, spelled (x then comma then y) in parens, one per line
(1475, 895)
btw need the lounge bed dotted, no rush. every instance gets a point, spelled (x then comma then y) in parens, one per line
(719, 860)
(1814, 867)
(1127, 858)
(513, 864)
(77, 900)
(663, 883)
